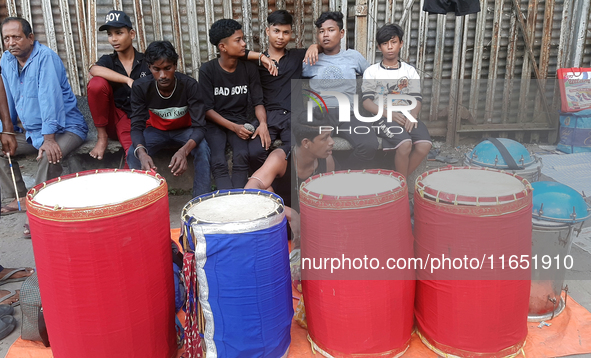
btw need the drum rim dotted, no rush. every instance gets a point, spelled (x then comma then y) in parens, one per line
(304, 190)
(192, 220)
(94, 212)
(456, 199)
(533, 166)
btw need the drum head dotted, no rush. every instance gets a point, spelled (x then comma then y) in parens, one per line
(346, 184)
(471, 186)
(92, 190)
(231, 207)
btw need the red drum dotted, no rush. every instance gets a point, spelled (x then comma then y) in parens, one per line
(361, 218)
(102, 248)
(475, 303)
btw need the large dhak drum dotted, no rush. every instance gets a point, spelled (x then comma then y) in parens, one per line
(102, 248)
(473, 231)
(239, 240)
(557, 211)
(353, 312)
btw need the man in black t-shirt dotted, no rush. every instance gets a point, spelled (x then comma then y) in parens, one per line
(277, 87)
(167, 109)
(227, 84)
(110, 87)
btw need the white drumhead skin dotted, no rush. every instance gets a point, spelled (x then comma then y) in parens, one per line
(474, 183)
(96, 190)
(353, 184)
(233, 208)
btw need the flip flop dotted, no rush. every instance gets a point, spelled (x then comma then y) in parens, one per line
(6, 278)
(7, 210)
(6, 310)
(7, 325)
(10, 294)
(446, 159)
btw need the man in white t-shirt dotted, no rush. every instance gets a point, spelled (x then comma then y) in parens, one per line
(392, 76)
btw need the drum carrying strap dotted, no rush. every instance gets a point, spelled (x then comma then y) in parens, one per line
(505, 154)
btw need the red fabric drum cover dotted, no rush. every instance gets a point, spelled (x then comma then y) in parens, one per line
(475, 216)
(351, 215)
(102, 248)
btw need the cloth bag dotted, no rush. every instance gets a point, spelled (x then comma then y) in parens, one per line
(33, 327)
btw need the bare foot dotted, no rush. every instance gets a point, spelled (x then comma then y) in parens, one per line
(99, 148)
(10, 300)
(19, 274)
(12, 207)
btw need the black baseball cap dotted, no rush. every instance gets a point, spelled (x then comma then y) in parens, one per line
(116, 19)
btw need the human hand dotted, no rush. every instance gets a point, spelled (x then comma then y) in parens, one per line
(311, 56)
(241, 132)
(178, 163)
(146, 160)
(269, 65)
(399, 118)
(263, 132)
(52, 151)
(409, 125)
(130, 82)
(9, 143)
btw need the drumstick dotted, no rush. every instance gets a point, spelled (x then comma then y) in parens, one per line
(14, 181)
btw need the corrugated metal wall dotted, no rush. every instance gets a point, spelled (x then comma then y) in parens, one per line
(472, 50)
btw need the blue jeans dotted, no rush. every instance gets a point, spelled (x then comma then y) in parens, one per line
(157, 140)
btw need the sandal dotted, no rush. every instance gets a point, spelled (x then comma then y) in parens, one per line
(10, 294)
(446, 159)
(7, 325)
(8, 209)
(6, 278)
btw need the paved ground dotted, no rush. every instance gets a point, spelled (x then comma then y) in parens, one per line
(16, 251)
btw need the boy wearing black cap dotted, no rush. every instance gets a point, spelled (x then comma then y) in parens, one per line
(227, 84)
(110, 87)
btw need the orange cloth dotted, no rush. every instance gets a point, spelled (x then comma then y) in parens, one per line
(570, 333)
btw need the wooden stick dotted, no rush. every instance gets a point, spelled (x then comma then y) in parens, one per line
(14, 182)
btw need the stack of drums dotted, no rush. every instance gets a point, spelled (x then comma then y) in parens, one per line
(239, 239)
(486, 155)
(359, 309)
(557, 210)
(102, 248)
(467, 220)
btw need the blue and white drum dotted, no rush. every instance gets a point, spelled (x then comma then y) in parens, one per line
(486, 154)
(241, 252)
(557, 212)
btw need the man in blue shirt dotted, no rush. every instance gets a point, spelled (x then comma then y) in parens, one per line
(40, 96)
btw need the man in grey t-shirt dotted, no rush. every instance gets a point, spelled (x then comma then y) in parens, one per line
(336, 70)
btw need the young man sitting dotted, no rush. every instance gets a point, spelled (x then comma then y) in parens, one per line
(278, 87)
(411, 140)
(167, 109)
(336, 70)
(227, 84)
(110, 87)
(311, 155)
